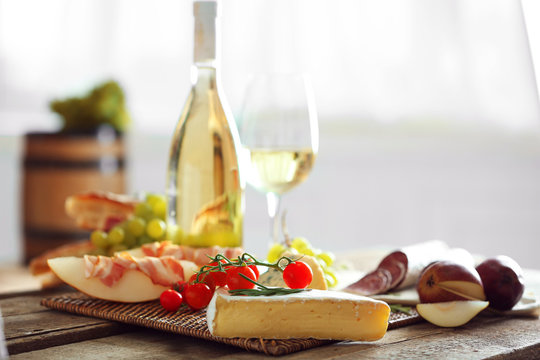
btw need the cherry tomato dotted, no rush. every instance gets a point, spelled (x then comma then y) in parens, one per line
(297, 275)
(254, 268)
(255, 271)
(235, 281)
(170, 300)
(219, 277)
(205, 279)
(198, 295)
(180, 286)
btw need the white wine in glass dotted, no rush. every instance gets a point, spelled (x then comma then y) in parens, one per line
(280, 131)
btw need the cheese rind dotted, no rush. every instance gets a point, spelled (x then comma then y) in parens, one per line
(313, 314)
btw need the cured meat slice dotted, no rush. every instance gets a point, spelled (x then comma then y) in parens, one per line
(406, 265)
(396, 263)
(104, 268)
(376, 282)
(164, 270)
(198, 255)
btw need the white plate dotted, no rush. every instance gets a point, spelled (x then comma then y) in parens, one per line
(529, 305)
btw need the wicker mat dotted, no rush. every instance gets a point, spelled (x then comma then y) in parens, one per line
(187, 322)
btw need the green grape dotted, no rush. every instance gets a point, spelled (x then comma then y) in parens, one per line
(99, 239)
(136, 226)
(301, 244)
(118, 248)
(330, 277)
(130, 240)
(159, 208)
(158, 204)
(144, 210)
(320, 262)
(116, 235)
(156, 228)
(174, 234)
(327, 257)
(275, 252)
(293, 251)
(144, 239)
(151, 199)
(100, 251)
(105, 104)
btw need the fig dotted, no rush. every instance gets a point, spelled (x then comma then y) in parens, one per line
(502, 278)
(444, 281)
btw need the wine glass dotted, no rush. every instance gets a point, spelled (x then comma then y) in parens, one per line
(279, 130)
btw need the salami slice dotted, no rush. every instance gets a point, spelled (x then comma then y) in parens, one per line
(402, 268)
(396, 263)
(376, 282)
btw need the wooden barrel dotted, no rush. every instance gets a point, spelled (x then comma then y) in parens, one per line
(59, 165)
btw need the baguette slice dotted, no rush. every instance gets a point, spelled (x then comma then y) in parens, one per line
(99, 210)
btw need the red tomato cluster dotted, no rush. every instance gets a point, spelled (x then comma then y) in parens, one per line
(197, 294)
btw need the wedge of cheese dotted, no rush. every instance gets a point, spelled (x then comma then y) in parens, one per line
(314, 314)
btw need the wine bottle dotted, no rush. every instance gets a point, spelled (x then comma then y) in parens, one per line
(204, 188)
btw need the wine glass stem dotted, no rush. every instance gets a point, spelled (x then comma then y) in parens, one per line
(273, 201)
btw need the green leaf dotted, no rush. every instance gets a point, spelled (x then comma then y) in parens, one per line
(395, 308)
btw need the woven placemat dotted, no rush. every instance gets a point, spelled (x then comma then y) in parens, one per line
(188, 322)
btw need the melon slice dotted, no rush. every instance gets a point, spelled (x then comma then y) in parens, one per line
(451, 313)
(133, 286)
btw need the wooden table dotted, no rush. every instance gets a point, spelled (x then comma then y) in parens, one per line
(35, 332)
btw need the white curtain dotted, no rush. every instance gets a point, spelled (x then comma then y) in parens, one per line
(446, 62)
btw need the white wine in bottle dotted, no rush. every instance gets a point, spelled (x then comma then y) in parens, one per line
(204, 188)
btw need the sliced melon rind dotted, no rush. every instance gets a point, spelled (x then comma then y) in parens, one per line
(133, 286)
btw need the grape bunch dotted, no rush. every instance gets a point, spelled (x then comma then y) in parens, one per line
(105, 104)
(301, 245)
(148, 224)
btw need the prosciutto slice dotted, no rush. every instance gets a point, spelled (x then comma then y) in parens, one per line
(198, 255)
(104, 268)
(165, 270)
(402, 268)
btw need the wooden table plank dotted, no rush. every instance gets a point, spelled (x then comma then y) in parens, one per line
(143, 344)
(482, 338)
(29, 326)
(17, 279)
